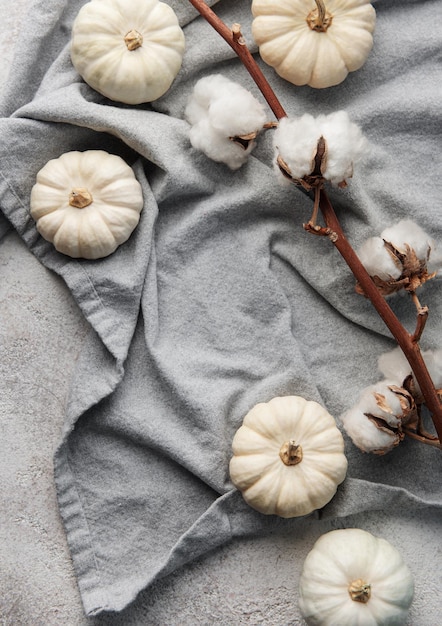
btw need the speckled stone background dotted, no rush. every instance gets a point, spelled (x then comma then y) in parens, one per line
(249, 582)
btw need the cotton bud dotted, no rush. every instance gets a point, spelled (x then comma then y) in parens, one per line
(402, 257)
(225, 119)
(300, 157)
(375, 423)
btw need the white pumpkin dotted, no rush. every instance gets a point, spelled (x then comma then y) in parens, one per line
(288, 457)
(351, 577)
(86, 203)
(128, 50)
(313, 42)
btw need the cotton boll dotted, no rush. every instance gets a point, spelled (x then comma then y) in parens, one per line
(345, 145)
(218, 110)
(365, 434)
(399, 259)
(380, 401)
(377, 260)
(408, 232)
(296, 141)
(375, 422)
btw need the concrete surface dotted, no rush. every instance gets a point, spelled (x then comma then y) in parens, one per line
(249, 582)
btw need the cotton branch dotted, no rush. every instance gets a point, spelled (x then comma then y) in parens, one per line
(407, 342)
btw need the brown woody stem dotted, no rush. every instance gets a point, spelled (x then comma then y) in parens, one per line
(314, 217)
(406, 341)
(429, 440)
(422, 316)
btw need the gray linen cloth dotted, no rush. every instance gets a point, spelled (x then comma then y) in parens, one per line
(219, 299)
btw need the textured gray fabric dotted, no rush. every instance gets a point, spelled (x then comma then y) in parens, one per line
(219, 299)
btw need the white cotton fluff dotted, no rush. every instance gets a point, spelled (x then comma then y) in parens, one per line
(394, 365)
(346, 145)
(363, 432)
(434, 263)
(205, 138)
(368, 401)
(219, 109)
(296, 142)
(376, 259)
(433, 361)
(408, 232)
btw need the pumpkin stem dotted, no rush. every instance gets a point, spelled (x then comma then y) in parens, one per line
(290, 453)
(359, 591)
(80, 198)
(319, 19)
(133, 40)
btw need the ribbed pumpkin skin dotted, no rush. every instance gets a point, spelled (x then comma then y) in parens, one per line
(101, 56)
(256, 468)
(342, 556)
(94, 231)
(304, 56)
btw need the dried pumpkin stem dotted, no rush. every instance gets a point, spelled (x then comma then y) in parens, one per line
(290, 453)
(319, 19)
(359, 591)
(409, 347)
(133, 40)
(80, 198)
